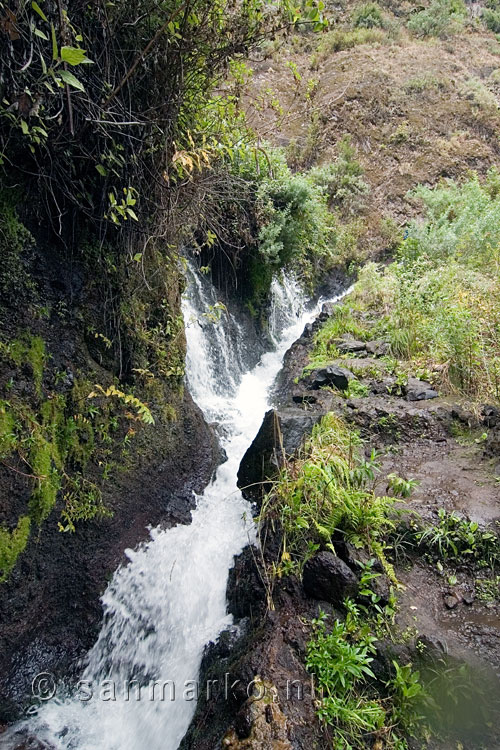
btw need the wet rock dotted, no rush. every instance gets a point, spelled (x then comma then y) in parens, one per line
(303, 397)
(327, 578)
(419, 390)
(383, 387)
(335, 376)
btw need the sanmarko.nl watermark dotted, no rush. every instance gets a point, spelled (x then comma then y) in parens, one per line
(44, 687)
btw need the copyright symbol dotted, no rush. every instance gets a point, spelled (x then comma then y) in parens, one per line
(43, 686)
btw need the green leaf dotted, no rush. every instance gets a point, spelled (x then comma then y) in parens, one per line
(137, 257)
(38, 10)
(41, 34)
(102, 171)
(70, 79)
(24, 127)
(132, 213)
(74, 55)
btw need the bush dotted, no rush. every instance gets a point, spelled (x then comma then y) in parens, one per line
(368, 16)
(342, 181)
(338, 40)
(491, 19)
(443, 19)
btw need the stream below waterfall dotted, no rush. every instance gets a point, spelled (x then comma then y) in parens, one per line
(169, 601)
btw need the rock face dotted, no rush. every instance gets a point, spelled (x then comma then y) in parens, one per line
(327, 578)
(281, 434)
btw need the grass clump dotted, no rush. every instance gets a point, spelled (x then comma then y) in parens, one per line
(443, 18)
(343, 39)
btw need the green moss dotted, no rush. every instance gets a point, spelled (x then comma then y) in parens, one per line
(14, 240)
(12, 543)
(8, 437)
(43, 497)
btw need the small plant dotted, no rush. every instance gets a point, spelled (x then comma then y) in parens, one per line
(458, 539)
(357, 389)
(401, 487)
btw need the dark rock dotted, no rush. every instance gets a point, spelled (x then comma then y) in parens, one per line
(419, 390)
(383, 387)
(491, 415)
(280, 435)
(327, 578)
(346, 346)
(332, 375)
(388, 652)
(377, 348)
(303, 397)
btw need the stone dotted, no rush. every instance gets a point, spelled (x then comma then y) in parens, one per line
(491, 415)
(351, 346)
(450, 601)
(280, 435)
(377, 348)
(327, 578)
(335, 376)
(419, 390)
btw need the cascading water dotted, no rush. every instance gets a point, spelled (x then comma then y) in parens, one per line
(169, 601)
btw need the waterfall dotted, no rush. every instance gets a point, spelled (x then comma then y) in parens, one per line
(169, 601)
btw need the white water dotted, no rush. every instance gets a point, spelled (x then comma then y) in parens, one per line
(169, 601)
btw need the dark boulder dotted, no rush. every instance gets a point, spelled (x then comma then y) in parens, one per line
(327, 578)
(377, 348)
(280, 435)
(335, 376)
(350, 346)
(419, 390)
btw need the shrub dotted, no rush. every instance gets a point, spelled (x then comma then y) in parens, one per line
(443, 19)
(342, 180)
(368, 16)
(339, 40)
(491, 19)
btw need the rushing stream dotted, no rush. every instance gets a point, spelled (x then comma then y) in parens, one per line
(169, 601)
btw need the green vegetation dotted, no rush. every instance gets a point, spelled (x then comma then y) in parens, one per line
(443, 18)
(438, 304)
(326, 491)
(12, 543)
(491, 16)
(368, 16)
(353, 702)
(65, 445)
(459, 540)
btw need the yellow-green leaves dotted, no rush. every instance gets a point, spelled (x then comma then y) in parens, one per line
(74, 56)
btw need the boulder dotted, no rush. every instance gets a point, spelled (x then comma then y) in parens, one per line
(280, 435)
(327, 578)
(419, 390)
(335, 376)
(350, 346)
(377, 348)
